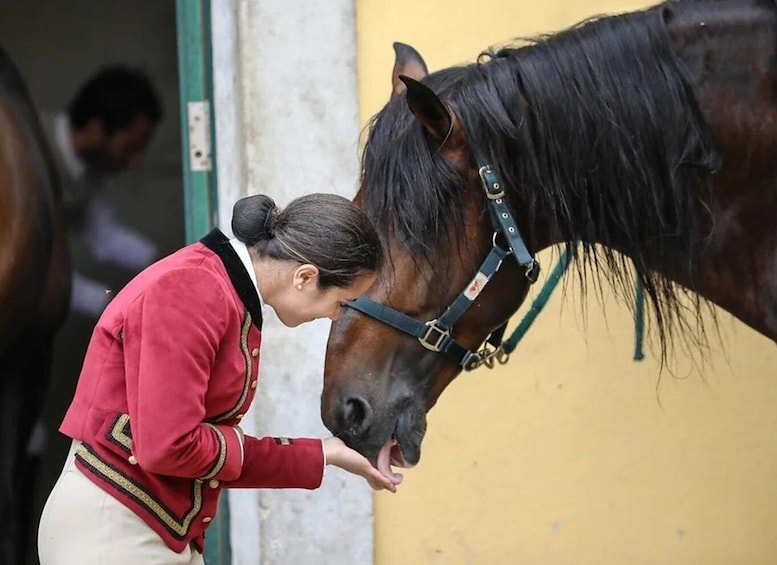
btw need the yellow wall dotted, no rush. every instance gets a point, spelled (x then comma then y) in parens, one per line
(573, 453)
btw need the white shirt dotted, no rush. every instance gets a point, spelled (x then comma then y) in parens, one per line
(103, 235)
(245, 257)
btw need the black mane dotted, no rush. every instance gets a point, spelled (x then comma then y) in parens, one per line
(596, 128)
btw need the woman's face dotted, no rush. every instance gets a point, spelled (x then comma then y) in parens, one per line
(305, 301)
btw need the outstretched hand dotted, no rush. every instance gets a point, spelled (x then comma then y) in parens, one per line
(340, 455)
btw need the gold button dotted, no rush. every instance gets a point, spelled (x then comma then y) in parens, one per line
(207, 519)
(132, 460)
(255, 352)
(254, 383)
(213, 483)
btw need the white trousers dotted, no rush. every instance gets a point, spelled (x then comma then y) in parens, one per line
(82, 524)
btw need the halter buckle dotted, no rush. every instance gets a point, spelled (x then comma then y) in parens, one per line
(494, 191)
(432, 341)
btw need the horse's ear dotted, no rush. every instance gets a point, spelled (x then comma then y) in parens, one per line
(428, 109)
(407, 62)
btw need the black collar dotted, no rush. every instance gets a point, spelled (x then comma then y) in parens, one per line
(217, 242)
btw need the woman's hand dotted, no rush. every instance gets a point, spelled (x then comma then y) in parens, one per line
(340, 455)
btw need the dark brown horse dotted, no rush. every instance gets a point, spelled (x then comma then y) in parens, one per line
(643, 142)
(34, 291)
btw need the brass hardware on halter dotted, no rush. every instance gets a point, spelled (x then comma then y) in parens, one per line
(487, 356)
(533, 271)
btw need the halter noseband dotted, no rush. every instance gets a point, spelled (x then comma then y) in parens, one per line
(435, 335)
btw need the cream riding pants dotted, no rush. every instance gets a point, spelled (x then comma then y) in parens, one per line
(82, 524)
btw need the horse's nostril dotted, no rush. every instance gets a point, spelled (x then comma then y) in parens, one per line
(357, 415)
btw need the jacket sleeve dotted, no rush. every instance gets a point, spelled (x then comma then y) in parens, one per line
(171, 336)
(279, 462)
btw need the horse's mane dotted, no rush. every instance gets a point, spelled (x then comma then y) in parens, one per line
(597, 128)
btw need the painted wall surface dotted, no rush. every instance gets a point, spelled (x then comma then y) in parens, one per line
(573, 453)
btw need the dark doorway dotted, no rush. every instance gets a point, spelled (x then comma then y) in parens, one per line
(57, 46)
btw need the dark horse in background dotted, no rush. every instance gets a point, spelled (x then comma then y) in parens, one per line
(644, 142)
(34, 294)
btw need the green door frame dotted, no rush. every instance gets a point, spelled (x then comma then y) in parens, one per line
(195, 70)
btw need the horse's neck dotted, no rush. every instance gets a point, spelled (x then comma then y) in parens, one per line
(730, 58)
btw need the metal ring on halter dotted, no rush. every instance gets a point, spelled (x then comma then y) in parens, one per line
(488, 352)
(507, 251)
(533, 271)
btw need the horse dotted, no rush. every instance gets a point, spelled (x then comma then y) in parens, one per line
(34, 297)
(641, 144)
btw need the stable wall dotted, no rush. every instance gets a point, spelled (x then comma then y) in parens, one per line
(574, 453)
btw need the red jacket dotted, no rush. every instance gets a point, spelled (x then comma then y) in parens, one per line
(171, 368)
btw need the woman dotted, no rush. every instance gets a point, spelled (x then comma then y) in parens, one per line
(171, 369)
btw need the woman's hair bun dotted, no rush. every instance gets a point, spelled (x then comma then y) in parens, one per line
(253, 218)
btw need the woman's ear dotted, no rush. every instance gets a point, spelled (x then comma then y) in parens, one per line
(305, 275)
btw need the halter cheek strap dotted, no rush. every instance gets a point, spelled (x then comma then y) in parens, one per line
(502, 219)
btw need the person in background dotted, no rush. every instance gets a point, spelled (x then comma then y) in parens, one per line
(104, 130)
(171, 369)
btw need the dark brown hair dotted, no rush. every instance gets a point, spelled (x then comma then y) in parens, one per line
(325, 230)
(116, 95)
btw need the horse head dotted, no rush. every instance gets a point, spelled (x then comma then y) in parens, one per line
(427, 198)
